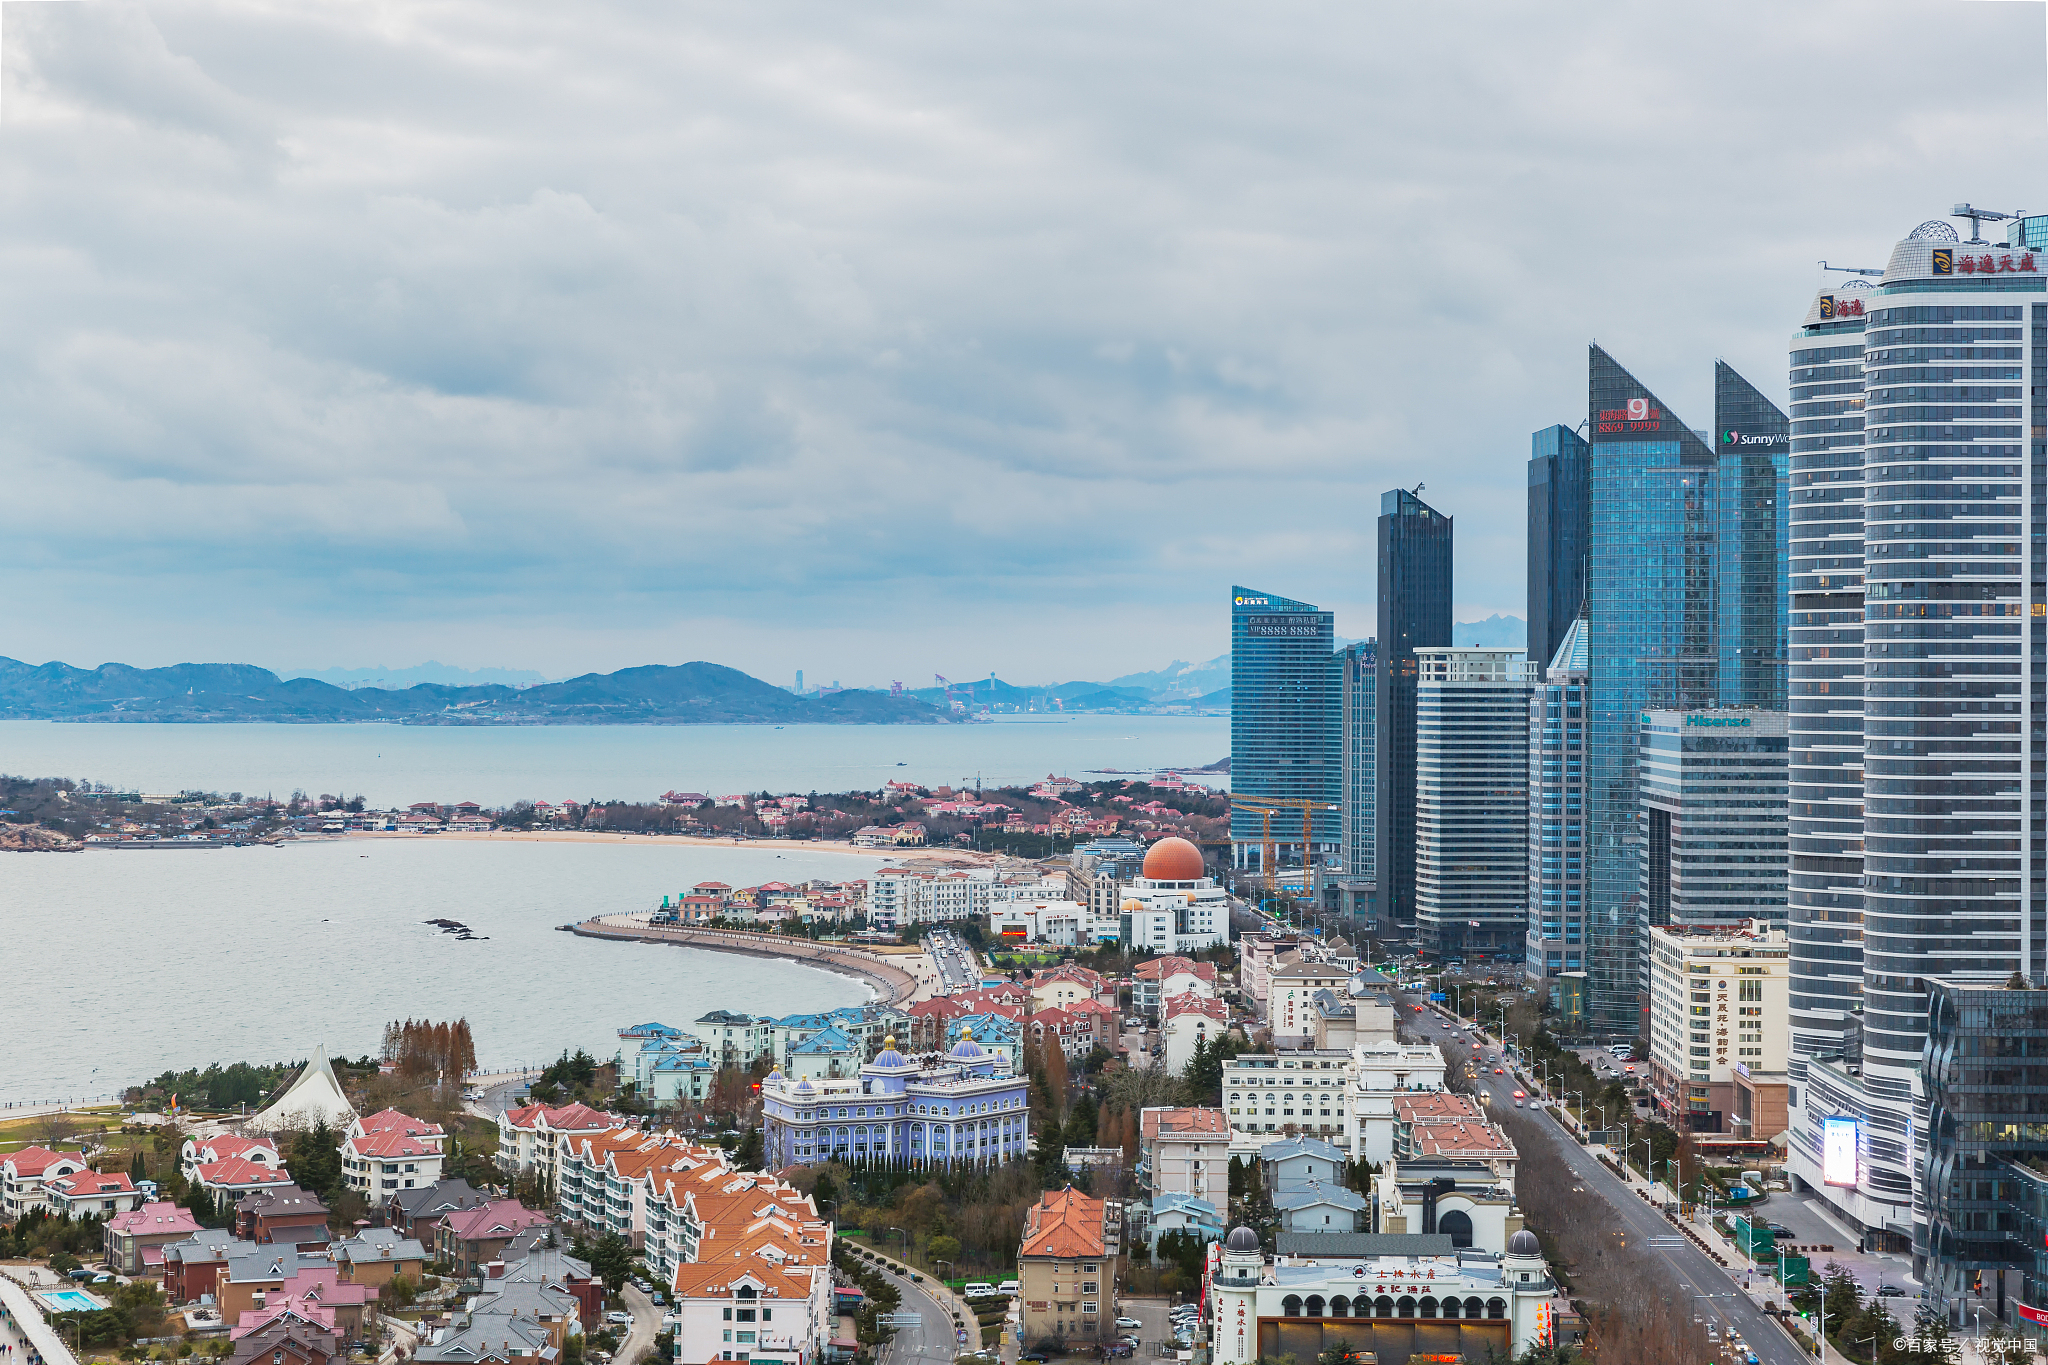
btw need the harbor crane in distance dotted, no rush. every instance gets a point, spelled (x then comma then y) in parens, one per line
(942, 681)
(895, 687)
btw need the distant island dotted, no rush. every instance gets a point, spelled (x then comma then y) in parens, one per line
(683, 694)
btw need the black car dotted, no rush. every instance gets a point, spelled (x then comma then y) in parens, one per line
(1035, 1356)
(1890, 1291)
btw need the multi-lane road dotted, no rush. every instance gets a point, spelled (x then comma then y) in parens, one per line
(1714, 1294)
(932, 1340)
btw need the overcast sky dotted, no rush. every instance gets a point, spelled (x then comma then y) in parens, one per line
(885, 339)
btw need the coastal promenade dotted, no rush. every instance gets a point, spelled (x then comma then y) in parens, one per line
(894, 984)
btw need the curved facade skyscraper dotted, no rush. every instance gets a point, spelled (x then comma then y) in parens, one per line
(1953, 600)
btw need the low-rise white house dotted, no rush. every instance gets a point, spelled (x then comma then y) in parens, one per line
(23, 1173)
(390, 1151)
(1190, 1019)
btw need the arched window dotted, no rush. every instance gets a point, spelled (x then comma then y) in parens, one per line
(1290, 1307)
(1427, 1308)
(1473, 1307)
(1405, 1308)
(1496, 1308)
(1315, 1305)
(1383, 1307)
(1450, 1308)
(1340, 1307)
(1457, 1225)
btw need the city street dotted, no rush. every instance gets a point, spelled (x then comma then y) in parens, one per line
(1717, 1296)
(932, 1341)
(954, 962)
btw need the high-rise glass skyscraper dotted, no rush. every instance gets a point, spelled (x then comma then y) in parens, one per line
(1472, 803)
(1955, 594)
(1650, 594)
(1558, 719)
(1684, 540)
(1286, 737)
(1751, 438)
(1358, 669)
(1558, 469)
(1414, 613)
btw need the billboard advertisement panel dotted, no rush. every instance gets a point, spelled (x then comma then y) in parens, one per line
(1838, 1151)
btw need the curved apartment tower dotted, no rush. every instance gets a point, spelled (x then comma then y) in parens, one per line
(1951, 613)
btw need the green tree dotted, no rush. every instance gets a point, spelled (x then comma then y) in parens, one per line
(1236, 1177)
(1840, 1292)
(611, 1260)
(944, 1248)
(751, 1153)
(315, 1161)
(138, 1169)
(1080, 1127)
(1183, 1249)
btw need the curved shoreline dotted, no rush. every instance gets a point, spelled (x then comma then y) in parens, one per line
(891, 984)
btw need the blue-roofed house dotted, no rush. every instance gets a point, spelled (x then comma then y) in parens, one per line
(1298, 1162)
(1321, 1208)
(997, 1033)
(1183, 1213)
(649, 1030)
(824, 1056)
(685, 1074)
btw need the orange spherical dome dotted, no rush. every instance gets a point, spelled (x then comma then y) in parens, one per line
(1174, 860)
(1132, 906)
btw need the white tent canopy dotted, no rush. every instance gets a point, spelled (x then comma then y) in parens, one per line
(313, 1097)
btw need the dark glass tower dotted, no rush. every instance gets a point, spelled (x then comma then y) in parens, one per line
(1558, 467)
(1751, 436)
(1286, 714)
(1414, 613)
(1650, 595)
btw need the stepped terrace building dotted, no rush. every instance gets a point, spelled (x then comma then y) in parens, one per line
(963, 1108)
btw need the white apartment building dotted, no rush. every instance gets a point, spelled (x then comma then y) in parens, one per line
(1284, 1093)
(1718, 1000)
(898, 897)
(1061, 922)
(1472, 802)
(1185, 1151)
(1383, 1073)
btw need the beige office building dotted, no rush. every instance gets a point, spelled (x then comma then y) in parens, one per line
(1717, 1001)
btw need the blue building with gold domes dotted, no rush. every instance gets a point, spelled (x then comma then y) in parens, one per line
(963, 1107)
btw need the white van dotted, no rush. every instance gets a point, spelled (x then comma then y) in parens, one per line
(1625, 1051)
(1011, 1287)
(978, 1290)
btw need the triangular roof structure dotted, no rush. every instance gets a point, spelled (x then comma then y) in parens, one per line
(1575, 650)
(313, 1097)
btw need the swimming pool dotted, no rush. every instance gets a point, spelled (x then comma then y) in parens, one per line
(70, 1301)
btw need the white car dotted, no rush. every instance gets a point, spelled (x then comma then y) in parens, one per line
(1129, 1322)
(623, 1319)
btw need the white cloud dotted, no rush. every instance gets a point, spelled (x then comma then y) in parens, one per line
(874, 340)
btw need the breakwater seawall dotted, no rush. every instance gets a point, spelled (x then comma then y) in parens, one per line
(890, 982)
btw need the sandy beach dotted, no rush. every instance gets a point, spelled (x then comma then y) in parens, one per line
(956, 856)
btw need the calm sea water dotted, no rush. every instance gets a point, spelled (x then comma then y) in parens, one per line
(123, 965)
(400, 764)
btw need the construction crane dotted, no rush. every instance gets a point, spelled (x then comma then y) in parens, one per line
(951, 701)
(895, 687)
(1263, 807)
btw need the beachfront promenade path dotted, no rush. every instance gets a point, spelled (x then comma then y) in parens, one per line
(28, 1339)
(896, 984)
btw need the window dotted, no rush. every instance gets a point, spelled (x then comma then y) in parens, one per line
(746, 1315)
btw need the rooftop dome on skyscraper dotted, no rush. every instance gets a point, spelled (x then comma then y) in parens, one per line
(1174, 860)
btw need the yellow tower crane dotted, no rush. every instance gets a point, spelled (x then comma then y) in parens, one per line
(1264, 806)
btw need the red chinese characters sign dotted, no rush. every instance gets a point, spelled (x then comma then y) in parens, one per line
(1832, 307)
(1948, 261)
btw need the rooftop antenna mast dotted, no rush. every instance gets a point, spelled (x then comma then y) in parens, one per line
(1854, 270)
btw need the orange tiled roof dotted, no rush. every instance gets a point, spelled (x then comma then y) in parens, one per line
(1064, 1223)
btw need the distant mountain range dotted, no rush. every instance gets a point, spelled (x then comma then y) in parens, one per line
(701, 693)
(655, 694)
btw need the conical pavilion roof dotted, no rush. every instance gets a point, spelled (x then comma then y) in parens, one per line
(314, 1096)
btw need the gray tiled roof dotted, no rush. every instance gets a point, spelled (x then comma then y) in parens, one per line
(1350, 1245)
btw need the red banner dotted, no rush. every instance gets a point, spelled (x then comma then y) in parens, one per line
(2034, 1315)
